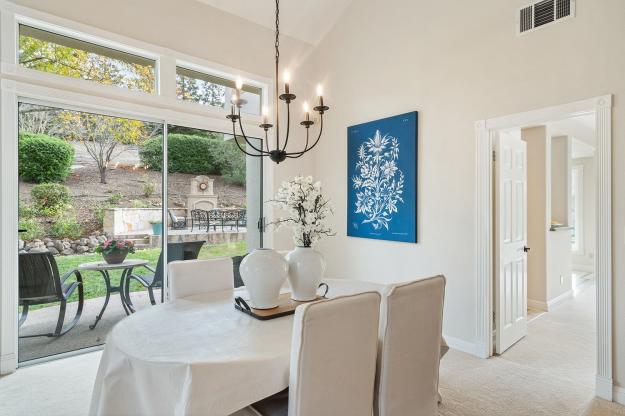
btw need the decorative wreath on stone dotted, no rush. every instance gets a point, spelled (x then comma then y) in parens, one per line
(203, 186)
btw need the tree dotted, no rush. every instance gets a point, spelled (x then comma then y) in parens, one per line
(76, 63)
(101, 135)
(200, 91)
(38, 119)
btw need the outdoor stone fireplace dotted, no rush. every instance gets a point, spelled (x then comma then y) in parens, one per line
(201, 194)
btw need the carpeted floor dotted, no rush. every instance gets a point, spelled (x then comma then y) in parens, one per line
(550, 372)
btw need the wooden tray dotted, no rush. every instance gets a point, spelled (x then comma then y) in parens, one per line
(286, 306)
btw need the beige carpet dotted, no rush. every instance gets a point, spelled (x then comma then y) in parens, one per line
(550, 372)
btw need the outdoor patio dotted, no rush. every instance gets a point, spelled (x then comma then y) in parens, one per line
(43, 321)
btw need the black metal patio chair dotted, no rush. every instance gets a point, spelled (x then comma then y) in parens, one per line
(40, 282)
(177, 223)
(230, 217)
(199, 218)
(154, 280)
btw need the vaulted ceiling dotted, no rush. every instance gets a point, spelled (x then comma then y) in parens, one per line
(306, 20)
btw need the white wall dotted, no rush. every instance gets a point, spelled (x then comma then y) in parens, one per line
(560, 179)
(586, 259)
(458, 62)
(538, 207)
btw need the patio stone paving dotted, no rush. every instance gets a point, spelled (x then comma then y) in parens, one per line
(44, 320)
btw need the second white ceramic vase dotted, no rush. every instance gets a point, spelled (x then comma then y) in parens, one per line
(264, 271)
(306, 269)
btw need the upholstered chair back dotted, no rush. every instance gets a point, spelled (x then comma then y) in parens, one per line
(191, 277)
(408, 360)
(333, 356)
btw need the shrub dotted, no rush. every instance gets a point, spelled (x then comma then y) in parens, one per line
(98, 211)
(50, 198)
(115, 198)
(148, 189)
(44, 158)
(66, 227)
(137, 203)
(231, 162)
(33, 229)
(187, 154)
(26, 211)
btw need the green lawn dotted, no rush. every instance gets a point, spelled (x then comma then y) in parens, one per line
(94, 286)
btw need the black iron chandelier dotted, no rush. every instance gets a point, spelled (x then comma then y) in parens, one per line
(279, 153)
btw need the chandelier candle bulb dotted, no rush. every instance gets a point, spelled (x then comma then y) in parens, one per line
(287, 79)
(265, 113)
(306, 111)
(239, 84)
(320, 94)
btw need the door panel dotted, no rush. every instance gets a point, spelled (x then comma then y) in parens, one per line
(510, 240)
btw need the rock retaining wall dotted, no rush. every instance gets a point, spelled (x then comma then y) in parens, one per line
(64, 247)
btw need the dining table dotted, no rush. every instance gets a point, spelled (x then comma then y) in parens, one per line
(198, 355)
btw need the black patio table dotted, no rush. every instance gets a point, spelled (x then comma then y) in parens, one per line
(104, 268)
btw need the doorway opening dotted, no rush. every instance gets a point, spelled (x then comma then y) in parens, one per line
(503, 302)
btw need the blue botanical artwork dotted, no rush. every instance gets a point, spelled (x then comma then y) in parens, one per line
(382, 179)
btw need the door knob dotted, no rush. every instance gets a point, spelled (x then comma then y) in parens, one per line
(526, 249)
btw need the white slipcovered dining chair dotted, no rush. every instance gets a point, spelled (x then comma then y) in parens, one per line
(190, 277)
(410, 349)
(333, 359)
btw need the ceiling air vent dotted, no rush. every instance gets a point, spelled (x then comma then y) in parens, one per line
(543, 13)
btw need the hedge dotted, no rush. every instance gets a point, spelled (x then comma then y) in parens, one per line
(44, 158)
(199, 155)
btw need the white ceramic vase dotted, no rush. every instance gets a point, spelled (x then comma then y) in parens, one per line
(306, 269)
(264, 271)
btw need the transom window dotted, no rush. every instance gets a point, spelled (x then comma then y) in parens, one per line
(207, 89)
(62, 55)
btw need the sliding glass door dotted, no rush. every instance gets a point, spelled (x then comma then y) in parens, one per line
(213, 195)
(82, 184)
(91, 182)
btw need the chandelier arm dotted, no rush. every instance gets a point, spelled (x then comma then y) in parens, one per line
(234, 133)
(307, 149)
(288, 124)
(245, 137)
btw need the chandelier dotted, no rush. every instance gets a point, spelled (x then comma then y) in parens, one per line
(279, 153)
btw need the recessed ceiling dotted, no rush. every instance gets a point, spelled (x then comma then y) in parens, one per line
(306, 20)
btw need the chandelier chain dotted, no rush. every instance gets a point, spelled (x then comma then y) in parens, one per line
(279, 153)
(277, 44)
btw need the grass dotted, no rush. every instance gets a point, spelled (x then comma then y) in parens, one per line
(94, 286)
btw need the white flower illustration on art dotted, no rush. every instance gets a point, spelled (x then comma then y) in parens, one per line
(378, 180)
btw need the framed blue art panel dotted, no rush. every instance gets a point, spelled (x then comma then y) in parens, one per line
(382, 179)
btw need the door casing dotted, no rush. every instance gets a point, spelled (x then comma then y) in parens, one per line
(601, 107)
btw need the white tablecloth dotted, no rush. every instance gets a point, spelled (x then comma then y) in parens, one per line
(197, 356)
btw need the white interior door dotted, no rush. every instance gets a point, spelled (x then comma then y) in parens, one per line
(510, 240)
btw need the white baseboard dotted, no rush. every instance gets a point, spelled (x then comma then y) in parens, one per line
(603, 388)
(618, 394)
(553, 302)
(462, 345)
(537, 304)
(549, 305)
(8, 364)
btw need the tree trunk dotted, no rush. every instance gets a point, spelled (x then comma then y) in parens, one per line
(102, 174)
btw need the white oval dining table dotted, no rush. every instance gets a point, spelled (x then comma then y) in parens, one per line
(197, 356)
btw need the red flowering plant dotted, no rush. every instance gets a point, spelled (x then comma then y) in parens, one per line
(116, 246)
